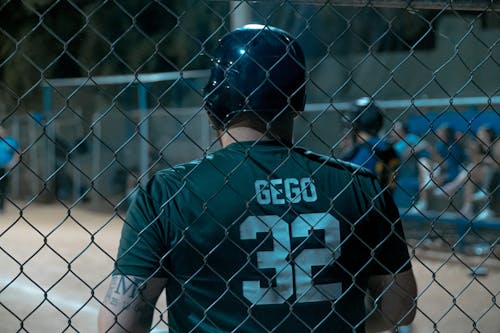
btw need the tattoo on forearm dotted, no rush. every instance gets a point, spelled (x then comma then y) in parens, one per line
(125, 286)
(127, 296)
(131, 287)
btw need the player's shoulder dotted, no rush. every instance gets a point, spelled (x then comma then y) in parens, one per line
(208, 165)
(335, 163)
(178, 171)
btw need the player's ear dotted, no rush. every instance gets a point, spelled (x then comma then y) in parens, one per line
(215, 122)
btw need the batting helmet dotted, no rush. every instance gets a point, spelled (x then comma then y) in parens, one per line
(255, 68)
(367, 116)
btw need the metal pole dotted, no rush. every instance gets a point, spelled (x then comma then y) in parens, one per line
(142, 95)
(240, 14)
(95, 156)
(77, 177)
(47, 110)
(34, 162)
(49, 135)
(406, 103)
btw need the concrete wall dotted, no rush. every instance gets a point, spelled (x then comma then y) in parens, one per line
(465, 62)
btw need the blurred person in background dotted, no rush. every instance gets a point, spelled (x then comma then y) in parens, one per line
(494, 183)
(449, 155)
(476, 176)
(414, 180)
(9, 156)
(487, 138)
(369, 150)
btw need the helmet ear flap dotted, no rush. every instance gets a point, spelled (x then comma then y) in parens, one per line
(215, 122)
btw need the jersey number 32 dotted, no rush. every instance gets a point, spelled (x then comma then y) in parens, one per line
(293, 277)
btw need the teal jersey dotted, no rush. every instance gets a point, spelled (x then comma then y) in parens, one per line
(258, 237)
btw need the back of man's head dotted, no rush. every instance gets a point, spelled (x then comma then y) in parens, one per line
(257, 79)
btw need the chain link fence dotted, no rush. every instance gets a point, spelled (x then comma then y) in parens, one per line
(97, 96)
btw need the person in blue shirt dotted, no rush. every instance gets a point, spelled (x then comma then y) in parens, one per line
(450, 153)
(414, 178)
(9, 156)
(366, 122)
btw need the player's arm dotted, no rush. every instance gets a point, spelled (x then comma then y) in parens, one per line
(395, 300)
(129, 304)
(392, 283)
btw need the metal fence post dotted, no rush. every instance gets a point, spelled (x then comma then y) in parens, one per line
(143, 130)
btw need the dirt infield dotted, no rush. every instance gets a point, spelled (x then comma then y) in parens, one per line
(54, 265)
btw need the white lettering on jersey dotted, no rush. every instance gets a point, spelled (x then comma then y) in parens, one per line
(281, 191)
(293, 276)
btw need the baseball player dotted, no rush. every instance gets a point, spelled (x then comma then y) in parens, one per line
(261, 236)
(371, 151)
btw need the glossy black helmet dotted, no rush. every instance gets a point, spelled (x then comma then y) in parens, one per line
(367, 116)
(257, 69)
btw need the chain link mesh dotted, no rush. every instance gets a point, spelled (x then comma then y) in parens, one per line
(100, 95)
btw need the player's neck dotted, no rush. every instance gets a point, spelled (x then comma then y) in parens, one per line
(239, 134)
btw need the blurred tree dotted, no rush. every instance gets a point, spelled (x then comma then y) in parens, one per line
(46, 39)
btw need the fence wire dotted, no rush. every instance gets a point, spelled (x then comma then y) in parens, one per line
(98, 97)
